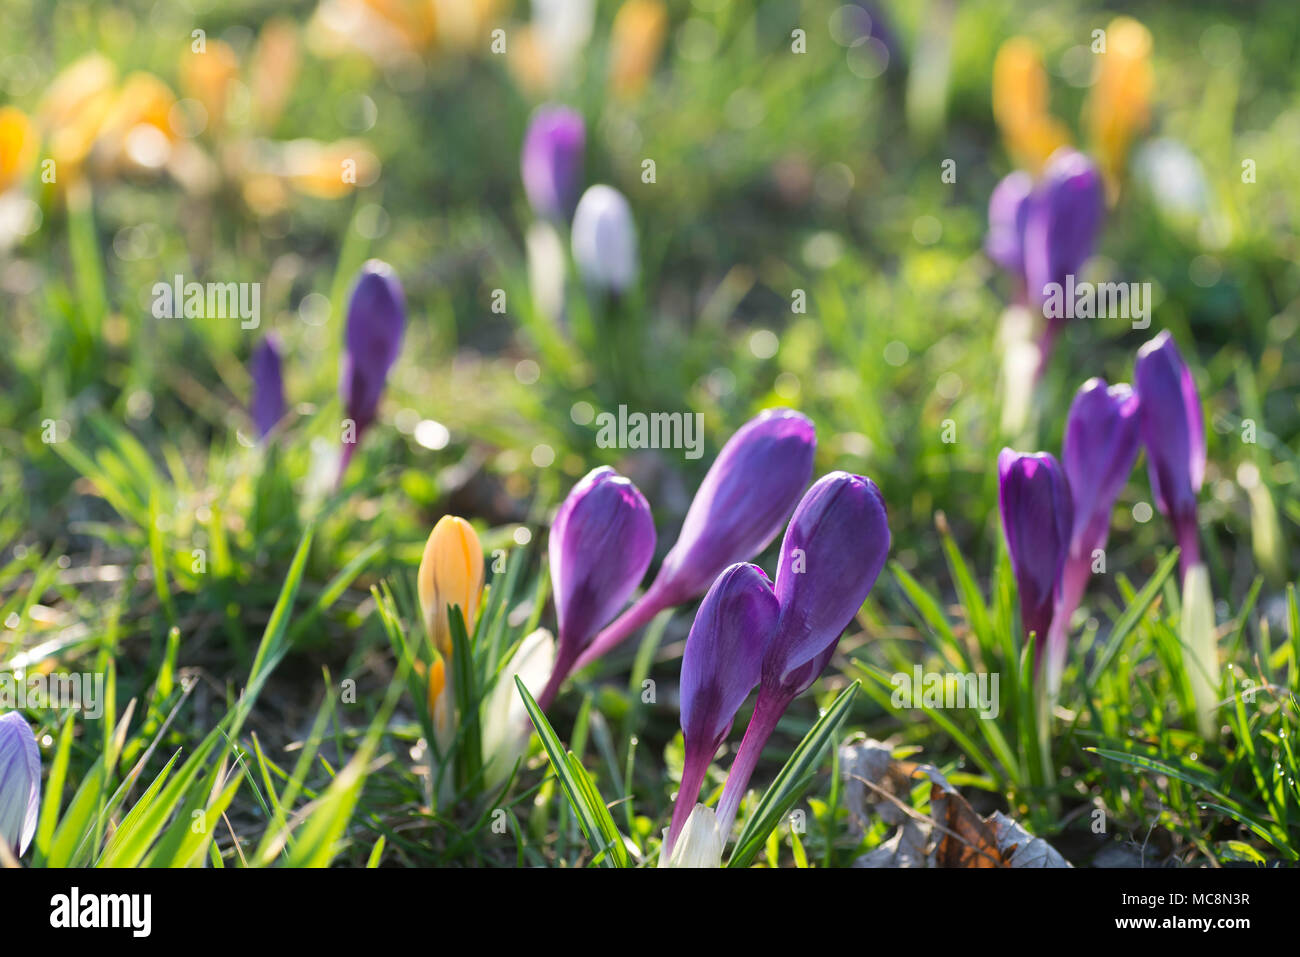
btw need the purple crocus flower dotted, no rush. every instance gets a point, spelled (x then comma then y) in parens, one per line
(1173, 431)
(372, 340)
(1062, 220)
(551, 161)
(1008, 205)
(20, 782)
(831, 555)
(602, 540)
(721, 666)
(267, 403)
(742, 503)
(1101, 444)
(1037, 516)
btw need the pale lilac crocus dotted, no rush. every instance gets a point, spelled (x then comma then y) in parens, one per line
(1100, 447)
(741, 505)
(602, 540)
(604, 240)
(266, 405)
(1005, 241)
(20, 782)
(551, 161)
(1173, 431)
(376, 322)
(1037, 516)
(720, 667)
(831, 555)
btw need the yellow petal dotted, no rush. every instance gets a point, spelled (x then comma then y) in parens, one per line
(1118, 106)
(636, 40)
(451, 573)
(1020, 97)
(209, 77)
(273, 71)
(329, 170)
(73, 110)
(17, 145)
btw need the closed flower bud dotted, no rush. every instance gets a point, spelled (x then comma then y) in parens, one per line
(1062, 221)
(20, 782)
(1008, 204)
(636, 39)
(451, 573)
(1034, 501)
(267, 404)
(720, 667)
(1119, 103)
(376, 322)
(551, 161)
(1173, 431)
(602, 540)
(604, 240)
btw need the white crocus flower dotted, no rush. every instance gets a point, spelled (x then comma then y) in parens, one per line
(699, 844)
(506, 727)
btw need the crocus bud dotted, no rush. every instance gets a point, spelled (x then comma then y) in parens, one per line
(1101, 444)
(1173, 431)
(506, 726)
(720, 667)
(636, 39)
(740, 506)
(1007, 207)
(551, 161)
(20, 782)
(1119, 103)
(373, 337)
(604, 239)
(267, 404)
(1062, 221)
(700, 843)
(451, 573)
(831, 555)
(1020, 104)
(602, 540)
(1036, 519)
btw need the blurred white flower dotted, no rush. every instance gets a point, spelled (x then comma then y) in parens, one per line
(604, 239)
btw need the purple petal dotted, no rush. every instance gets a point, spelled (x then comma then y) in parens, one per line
(743, 501)
(1008, 206)
(1101, 444)
(551, 161)
(1062, 220)
(267, 404)
(1172, 428)
(372, 340)
(20, 782)
(831, 555)
(602, 540)
(724, 653)
(1036, 519)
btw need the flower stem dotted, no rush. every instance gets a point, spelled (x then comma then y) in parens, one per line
(693, 771)
(767, 712)
(616, 632)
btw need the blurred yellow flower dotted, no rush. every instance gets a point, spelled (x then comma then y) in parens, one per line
(73, 111)
(209, 78)
(636, 40)
(273, 71)
(17, 145)
(451, 573)
(1020, 96)
(137, 132)
(1118, 106)
(328, 170)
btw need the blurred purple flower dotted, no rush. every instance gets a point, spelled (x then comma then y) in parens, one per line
(267, 405)
(20, 782)
(551, 161)
(831, 555)
(740, 506)
(1037, 516)
(603, 239)
(601, 543)
(1173, 431)
(1062, 220)
(1008, 206)
(721, 666)
(376, 322)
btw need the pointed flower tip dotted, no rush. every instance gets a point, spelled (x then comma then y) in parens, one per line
(1172, 427)
(1100, 447)
(266, 405)
(376, 322)
(1037, 517)
(20, 782)
(551, 161)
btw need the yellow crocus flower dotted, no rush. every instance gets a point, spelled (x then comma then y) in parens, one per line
(1020, 96)
(636, 40)
(17, 145)
(209, 77)
(451, 573)
(73, 109)
(1119, 104)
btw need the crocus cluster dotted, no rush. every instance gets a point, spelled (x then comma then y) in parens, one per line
(780, 636)
(1056, 518)
(603, 537)
(20, 783)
